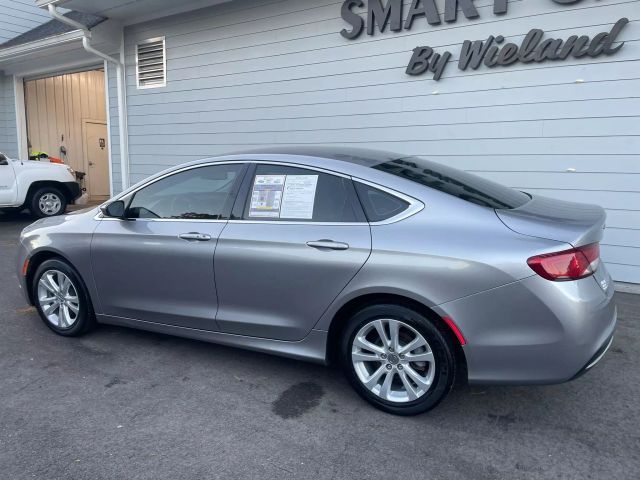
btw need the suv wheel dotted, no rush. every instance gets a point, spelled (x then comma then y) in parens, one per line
(397, 359)
(61, 299)
(48, 202)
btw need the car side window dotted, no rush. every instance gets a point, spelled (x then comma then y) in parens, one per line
(283, 193)
(202, 193)
(379, 205)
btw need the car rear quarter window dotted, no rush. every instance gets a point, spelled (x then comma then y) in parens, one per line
(457, 183)
(284, 193)
(379, 205)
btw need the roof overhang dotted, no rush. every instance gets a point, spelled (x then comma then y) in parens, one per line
(59, 52)
(128, 12)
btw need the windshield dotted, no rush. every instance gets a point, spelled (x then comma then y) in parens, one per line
(463, 185)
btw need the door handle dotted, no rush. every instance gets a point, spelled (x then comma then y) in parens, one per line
(328, 244)
(199, 237)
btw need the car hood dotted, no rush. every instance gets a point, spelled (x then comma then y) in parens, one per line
(60, 219)
(38, 164)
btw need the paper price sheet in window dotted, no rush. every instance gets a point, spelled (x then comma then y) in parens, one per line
(283, 196)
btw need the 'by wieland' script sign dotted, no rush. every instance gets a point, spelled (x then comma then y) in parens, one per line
(491, 52)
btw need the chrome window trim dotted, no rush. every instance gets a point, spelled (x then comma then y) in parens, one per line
(99, 216)
(415, 205)
(172, 172)
(224, 162)
(123, 195)
(301, 166)
(301, 222)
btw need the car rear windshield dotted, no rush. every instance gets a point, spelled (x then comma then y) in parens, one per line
(463, 185)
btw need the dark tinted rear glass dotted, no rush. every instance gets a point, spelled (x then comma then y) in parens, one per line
(379, 205)
(463, 185)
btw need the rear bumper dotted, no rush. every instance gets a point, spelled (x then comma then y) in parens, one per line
(535, 331)
(596, 358)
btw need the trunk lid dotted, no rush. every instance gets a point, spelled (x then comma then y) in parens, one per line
(574, 223)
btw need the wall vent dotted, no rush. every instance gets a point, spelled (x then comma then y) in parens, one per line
(151, 63)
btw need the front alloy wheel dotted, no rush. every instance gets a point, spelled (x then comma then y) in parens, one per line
(58, 299)
(397, 359)
(61, 298)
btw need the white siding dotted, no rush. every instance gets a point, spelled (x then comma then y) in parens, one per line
(114, 148)
(18, 16)
(261, 72)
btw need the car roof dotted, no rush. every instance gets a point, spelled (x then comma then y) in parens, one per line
(359, 156)
(357, 162)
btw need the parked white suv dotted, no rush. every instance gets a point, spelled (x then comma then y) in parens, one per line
(44, 188)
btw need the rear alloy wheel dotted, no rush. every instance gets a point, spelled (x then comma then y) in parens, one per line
(48, 202)
(61, 299)
(397, 359)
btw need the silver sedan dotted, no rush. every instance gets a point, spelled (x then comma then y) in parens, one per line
(406, 272)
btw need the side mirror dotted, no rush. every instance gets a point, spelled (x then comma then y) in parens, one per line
(3, 159)
(114, 209)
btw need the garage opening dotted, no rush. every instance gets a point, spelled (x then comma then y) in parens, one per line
(67, 121)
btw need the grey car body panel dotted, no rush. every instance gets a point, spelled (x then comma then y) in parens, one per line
(415, 258)
(533, 331)
(143, 270)
(263, 270)
(68, 236)
(276, 294)
(574, 223)
(312, 348)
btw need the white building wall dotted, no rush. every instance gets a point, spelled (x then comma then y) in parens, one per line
(264, 72)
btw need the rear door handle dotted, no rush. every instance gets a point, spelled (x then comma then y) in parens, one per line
(328, 244)
(199, 237)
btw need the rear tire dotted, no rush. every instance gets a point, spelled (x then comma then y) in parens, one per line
(414, 364)
(61, 298)
(47, 202)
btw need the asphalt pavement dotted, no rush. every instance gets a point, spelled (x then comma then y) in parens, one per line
(126, 404)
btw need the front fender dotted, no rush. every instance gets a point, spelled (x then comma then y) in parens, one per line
(66, 236)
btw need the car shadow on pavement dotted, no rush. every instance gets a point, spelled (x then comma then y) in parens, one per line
(16, 216)
(297, 388)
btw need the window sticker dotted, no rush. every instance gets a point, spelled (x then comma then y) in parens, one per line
(266, 197)
(299, 196)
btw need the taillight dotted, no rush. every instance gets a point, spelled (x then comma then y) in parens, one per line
(567, 265)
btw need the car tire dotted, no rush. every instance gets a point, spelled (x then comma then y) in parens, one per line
(68, 312)
(47, 202)
(421, 377)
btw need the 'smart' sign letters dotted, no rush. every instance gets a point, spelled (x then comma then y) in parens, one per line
(491, 52)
